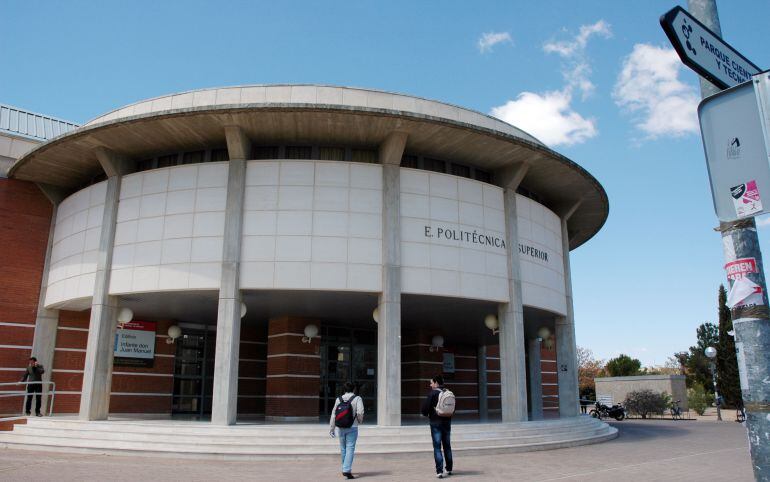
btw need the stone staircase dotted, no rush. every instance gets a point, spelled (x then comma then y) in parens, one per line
(166, 438)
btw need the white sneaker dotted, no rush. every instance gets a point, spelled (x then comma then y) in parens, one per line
(440, 476)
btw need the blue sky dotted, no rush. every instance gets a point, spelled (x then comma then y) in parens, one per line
(593, 79)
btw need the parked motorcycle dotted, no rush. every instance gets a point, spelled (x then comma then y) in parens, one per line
(616, 411)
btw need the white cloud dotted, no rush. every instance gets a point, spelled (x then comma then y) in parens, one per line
(648, 86)
(549, 117)
(490, 39)
(569, 48)
(577, 68)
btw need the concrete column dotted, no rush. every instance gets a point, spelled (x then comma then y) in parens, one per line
(535, 380)
(97, 372)
(566, 347)
(483, 387)
(224, 405)
(47, 321)
(513, 373)
(389, 326)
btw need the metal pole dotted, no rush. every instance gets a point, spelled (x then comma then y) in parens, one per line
(751, 324)
(716, 391)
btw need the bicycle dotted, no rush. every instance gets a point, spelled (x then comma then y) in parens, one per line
(676, 410)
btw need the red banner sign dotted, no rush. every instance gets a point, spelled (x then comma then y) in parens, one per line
(740, 267)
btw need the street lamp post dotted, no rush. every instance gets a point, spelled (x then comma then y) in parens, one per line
(711, 353)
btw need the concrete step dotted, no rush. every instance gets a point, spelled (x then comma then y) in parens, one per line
(205, 428)
(418, 439)
(117, 430)
(196, 439)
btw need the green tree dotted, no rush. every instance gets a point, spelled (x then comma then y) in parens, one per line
(695, 362)
(727, 362)
(698, 399)
(623, 366)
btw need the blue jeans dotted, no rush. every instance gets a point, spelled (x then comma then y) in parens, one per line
(348, 437)
(440, 433)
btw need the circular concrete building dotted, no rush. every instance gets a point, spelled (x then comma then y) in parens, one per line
(241, 252)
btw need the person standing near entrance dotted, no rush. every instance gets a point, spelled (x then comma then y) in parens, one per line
(439, 406)
(34, 375)
(347, 413)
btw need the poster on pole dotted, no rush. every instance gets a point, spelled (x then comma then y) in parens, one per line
(736, 153)
(135, 344)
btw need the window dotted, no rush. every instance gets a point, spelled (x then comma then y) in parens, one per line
(264, 152)
(409, 161)
(331, 153)
(482, 176)
(219, 155)
(145, 165)
(460, 170)
(363, 155)
(434, 165)
(299, 152)
(193, 157)
(167, 161)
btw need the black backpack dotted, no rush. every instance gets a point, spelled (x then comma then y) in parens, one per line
(343, 414)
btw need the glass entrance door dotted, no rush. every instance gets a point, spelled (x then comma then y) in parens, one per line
(193, 373)
(348, 355)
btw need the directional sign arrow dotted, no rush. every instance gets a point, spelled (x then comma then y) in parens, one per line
(704, 51)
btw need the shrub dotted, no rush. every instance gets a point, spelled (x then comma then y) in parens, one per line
(698, 399)
(644, 402)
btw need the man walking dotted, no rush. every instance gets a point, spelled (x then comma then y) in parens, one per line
(347, 413)
(439, 407)
(34, 375)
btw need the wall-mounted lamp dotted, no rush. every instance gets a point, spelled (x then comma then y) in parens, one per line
(376, 314)
(310, 331)
(492, 323)
(174, 332)
(436, 343)
(124, 316)
(243, 309)
(545, 334)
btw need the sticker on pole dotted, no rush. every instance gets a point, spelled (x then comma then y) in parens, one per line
(740, 267)
(745, 293)
(746, 199)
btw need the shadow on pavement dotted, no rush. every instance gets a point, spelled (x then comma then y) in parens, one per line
(636, 430)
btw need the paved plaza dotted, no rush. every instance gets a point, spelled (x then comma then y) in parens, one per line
(645, 450)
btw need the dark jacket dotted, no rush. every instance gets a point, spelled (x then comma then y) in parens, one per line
(429, 408)
(33, 374)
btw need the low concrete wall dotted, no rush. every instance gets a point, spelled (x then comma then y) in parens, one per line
(618, 387)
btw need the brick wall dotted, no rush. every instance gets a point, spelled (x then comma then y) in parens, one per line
(25, 219)
(293, 370)
(252, 371)
(134, 390)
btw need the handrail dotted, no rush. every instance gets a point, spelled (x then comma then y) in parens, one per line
(51, 391)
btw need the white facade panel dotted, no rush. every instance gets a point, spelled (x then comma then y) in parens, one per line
(453, 242)
(323, 232)
(76, 241)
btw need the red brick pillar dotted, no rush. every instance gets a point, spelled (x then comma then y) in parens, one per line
(549, 377)
(493, 380)
(293, 371)
(418, 366)
(251, 371)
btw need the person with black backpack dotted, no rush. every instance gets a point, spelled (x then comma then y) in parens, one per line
(439, 406)
(347, 413)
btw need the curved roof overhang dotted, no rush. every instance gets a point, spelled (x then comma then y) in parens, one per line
(434, 129)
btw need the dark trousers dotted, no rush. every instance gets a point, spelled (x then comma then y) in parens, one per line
(34, 390)
(440, 433)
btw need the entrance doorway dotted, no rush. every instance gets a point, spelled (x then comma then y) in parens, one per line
(194, 373)
(348, 355)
